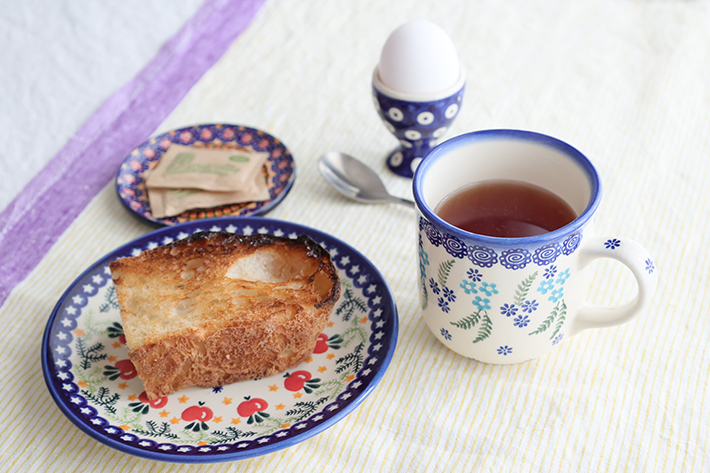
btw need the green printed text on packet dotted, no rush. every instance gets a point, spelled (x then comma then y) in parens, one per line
(185, 163)
(211, 169)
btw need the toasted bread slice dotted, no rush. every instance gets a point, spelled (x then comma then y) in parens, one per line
(216, 308)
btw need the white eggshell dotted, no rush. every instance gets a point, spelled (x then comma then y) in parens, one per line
(419, 58)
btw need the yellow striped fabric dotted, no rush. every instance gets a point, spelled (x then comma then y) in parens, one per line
(625, 82)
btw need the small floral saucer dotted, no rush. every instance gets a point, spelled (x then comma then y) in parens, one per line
(280, 170)
(87, 371)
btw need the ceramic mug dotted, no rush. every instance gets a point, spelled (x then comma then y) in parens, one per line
(509, 300)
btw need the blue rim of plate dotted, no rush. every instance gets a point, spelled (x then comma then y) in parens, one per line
(280, 170)
(66, 346)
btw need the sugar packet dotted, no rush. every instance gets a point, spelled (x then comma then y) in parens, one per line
(167, 202)
(212, 169)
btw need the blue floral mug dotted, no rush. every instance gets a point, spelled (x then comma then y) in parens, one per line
(509, 300)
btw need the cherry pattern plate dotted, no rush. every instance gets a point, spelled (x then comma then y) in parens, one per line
(279, 170)
(88, 373)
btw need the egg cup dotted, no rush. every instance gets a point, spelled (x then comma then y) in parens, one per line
(418, 121)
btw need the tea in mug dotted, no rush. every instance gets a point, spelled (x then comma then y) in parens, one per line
(505, 209)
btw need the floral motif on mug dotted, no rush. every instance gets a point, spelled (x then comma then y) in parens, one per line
(612, 243)
(650, 267)
(443, 305)
(546, 254)
(555, 287)
(469, 287)
(516, 258)
(523, 311)
(563, 276)
(434, 286)
(546, 286)
(433, 235)
(482, 256)
(505, 350)
(454, 246)
(571, 243)
(482, 303)
(508, 310)
(488, 289)
(448, 294)
(556, 294)
(530, 306)
(550, 272)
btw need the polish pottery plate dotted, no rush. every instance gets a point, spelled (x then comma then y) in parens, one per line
(279, 170)
(87, 371)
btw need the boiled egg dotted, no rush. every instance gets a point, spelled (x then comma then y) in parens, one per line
(419, 58)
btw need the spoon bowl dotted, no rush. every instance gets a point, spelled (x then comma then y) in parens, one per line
(355, 180)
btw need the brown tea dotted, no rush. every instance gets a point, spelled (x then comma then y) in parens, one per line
(506, 209)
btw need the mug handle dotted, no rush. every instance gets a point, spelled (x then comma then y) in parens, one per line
(638, 260)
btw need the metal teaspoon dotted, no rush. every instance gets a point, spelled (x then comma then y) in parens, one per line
(355, 180)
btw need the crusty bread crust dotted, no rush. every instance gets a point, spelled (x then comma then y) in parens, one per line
(216, 308)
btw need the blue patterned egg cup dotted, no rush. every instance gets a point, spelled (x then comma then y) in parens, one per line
(417, 121)
(510, 300)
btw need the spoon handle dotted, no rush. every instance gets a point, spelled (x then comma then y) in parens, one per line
(401, 200)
